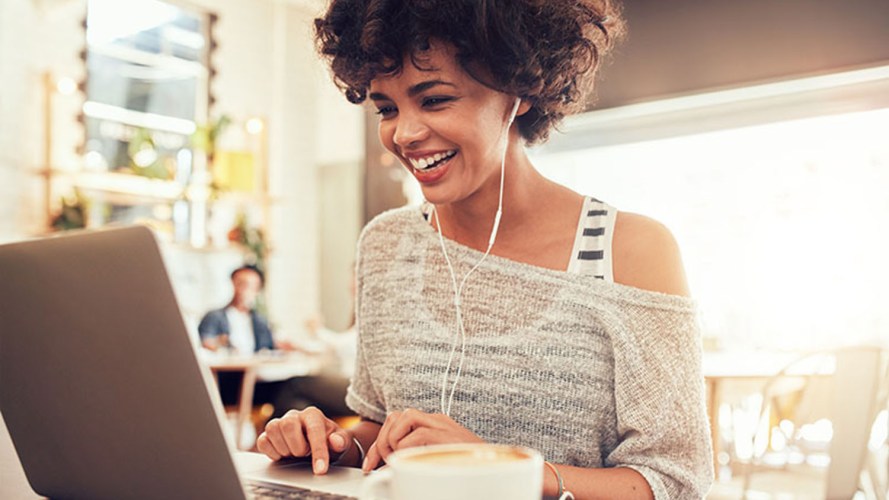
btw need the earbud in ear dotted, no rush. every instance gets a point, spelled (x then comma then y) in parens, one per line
(515, 109)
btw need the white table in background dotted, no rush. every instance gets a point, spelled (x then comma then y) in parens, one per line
(261, 366)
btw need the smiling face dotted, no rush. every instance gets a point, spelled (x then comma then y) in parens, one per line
(444, 126)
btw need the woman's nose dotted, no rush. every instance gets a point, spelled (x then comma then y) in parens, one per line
(410, 129)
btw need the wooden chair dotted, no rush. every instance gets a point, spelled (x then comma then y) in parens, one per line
(840, 385)
(877, 467)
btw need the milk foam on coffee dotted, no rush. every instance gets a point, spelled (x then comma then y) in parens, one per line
(469, 457)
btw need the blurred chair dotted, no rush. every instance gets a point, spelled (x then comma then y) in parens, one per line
(840, 385)
(877, 467)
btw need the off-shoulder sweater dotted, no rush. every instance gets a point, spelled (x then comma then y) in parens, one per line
(590, 373)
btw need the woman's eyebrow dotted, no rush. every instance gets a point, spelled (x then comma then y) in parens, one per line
(413, 90)
(423, 86)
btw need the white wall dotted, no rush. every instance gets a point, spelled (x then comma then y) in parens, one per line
(34, 38)
(340, 156)
(294, 278)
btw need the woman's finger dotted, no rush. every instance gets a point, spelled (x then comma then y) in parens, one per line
(338, 440)
(382, 441)
(379, 450)
(372, 459)
(407, 422)
(418, 437)
(265, 446)
(276, 438)
(294, 438)
(316, 433)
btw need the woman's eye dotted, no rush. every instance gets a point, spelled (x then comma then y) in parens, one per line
(386, 111)
(435, 101)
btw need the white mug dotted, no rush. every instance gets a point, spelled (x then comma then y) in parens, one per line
(468, 471)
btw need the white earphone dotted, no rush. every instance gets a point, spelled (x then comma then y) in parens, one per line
(458, 291)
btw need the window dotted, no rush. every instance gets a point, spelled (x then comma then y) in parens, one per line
(782, 225)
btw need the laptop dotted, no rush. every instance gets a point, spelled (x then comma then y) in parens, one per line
(100, 385)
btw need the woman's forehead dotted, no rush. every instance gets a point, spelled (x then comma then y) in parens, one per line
(437, 62)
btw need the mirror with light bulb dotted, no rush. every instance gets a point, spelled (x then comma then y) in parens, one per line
(147, 85)
(147, 91)
(155, 150)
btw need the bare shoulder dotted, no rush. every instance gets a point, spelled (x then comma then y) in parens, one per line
(646, 256)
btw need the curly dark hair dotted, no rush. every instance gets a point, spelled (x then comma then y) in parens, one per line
(545, 51)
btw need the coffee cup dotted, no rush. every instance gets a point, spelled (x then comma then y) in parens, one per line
(469, 471)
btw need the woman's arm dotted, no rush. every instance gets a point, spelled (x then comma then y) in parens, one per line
(366, 433)
(658, 381)
(594, 484)
(416, 428)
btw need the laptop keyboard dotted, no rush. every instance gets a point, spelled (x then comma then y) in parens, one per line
(268, 492)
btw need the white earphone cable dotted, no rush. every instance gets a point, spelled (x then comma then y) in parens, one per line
(458, 291)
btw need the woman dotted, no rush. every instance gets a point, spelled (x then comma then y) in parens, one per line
(509, 309)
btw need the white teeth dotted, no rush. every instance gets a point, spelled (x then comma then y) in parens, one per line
(428, 162)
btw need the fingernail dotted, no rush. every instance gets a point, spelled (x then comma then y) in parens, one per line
(337, 441)
(364, 465)
(320, 466)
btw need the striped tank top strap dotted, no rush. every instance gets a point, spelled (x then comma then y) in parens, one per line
(591, 255)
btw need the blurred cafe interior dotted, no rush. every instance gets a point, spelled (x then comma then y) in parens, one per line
(757, 131)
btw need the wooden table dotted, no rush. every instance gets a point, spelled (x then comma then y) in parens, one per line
(261, 366)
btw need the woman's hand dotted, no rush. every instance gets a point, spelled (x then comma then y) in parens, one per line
(300, 433)
(415, 428)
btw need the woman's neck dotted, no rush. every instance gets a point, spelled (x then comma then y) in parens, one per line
(470, 221)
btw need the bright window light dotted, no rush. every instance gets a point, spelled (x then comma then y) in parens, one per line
(112, 19)
(782, 226)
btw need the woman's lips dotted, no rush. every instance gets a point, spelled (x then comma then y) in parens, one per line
(433, 174)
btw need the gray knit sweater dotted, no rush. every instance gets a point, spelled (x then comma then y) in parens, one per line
(591, 374)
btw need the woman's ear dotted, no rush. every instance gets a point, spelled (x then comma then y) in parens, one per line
(524, 107)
